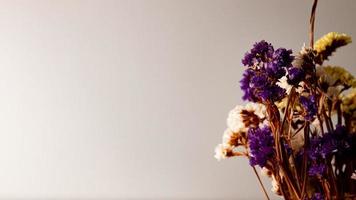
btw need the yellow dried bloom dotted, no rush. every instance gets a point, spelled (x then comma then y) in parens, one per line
(327, 44)
(348, 102)
(335, 76)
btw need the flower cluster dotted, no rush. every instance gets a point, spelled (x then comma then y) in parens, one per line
(243, 117)
(265, 67)
(318, 196)
(326, 45)
(261, 145)
(300, 124)
(310, 106)
(348, 105)
(353, 176)
(317, 155)
(240, 120)
(322, 148)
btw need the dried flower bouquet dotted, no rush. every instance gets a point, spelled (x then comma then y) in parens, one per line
(299, 126)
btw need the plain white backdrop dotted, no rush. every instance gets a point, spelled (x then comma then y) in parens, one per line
(128, 98)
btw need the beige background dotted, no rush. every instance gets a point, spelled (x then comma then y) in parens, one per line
(127, 99)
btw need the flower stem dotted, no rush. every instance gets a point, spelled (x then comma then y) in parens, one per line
(312, 20)
(261, 184)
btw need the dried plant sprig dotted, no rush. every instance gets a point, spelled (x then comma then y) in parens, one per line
(328, 44)
(333, 76)
(306, 154)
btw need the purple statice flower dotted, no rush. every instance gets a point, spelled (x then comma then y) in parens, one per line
(295, 75)
(288, 149)
(317, 166)
(318, 196)
(274, 70)
(261, 52)
(317, 169)
(261, 145)
(266, 66)
(281, 60)
(272, 92)
(283, 57)
(245, 86)
(329, 145)
(338, 142)
(310, 106)
(249, 59)
(315, 148)
(259, 81)
(322, 148)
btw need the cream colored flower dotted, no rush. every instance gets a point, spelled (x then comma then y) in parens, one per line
(335, 76)
(297, 142)
(222, 151)
(305, 58)
(282, 82)
(316, 123)
(230, 138)
(275, 186)
(234, 120)
(353, 176)
(266, 172)
(348, 102)
(334, 80)
(243, 117)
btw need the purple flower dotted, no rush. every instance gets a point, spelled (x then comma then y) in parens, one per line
(322, 148)
(295, 75)
(274, 70)
(258, 87)
(261, 145)
(266, 66)
(283, 57)
(245, 86)
(248, 60)
(315, 154)
(261, 52)
(318, 196)
(281, 60)
(272, 93)
(259, 81)
(329, 145)
(288, 149)
(310, 106)
(318, 169)
(338, 142)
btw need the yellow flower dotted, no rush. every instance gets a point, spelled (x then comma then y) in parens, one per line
(327, 44)
(335, 76)
(348, 102)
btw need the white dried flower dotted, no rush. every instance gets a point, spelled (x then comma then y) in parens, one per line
(316, 123)
(221, 151)
(266, 172)
(234, 120)
(230, 138)
(300, 89)
(257, 108)
(243, 117)
(297, 142)
(283, 83)
(275, 186)
(353, 176)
